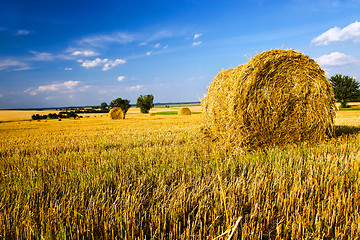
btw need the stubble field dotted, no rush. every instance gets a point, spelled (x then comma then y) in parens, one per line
(157, 178)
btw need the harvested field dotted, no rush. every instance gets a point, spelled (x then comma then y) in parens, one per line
(157, 178)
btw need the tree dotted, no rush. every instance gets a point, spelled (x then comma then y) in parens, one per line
(145, 103)
(345, 89)
(103, 106)
(124, 104)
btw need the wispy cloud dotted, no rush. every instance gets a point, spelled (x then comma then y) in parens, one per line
(336, 34)
(148, 53)
(321, 5)
(86, 53)
(101, 39)
(157, 45)
(142, 38)
(135, 88)
(105, 63)
(22, 32)
(161, 34)
(337, 59)
(196, 43)
(42, 56)
(13, 65)
(68, 69)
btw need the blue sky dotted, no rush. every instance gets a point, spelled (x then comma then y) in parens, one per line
(73, 53)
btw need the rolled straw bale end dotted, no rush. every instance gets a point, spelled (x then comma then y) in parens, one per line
(116, 113)
(279, 97)
(184, 111)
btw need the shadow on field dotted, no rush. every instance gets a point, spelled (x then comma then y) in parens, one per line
(345, 130)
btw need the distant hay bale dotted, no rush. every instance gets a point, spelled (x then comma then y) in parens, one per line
(116, 113)
(152, 114)
(184, 111)
(279, 97)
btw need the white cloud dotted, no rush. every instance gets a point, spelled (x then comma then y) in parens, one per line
(13, 65)
(135, 88)
(121, 78)
(65, 87)
(336, 34)
(337, 59)
(112, 64)
(68, 69)
(69, 85)
(157, 45)
(95, 63)
(148, 53)
(197, 35)
(196, 43)
(166, 46)
(143, 44)
(85, 53)
(105, 63)
(23, 32)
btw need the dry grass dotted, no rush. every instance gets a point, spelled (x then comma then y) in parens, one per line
(156, 178)
(16, 115)
(279, 97)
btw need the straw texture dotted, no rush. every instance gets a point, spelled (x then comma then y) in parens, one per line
(184, 111)
(279, 97)
(116, 113)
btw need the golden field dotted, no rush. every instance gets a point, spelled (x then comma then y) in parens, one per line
(157, 178)
(18, 115)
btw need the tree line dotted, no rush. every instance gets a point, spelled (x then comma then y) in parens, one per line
(144, 102)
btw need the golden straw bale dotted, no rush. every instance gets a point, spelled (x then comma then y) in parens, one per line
(116, 113)
(152, 114)
(184, 111)
(279, 97)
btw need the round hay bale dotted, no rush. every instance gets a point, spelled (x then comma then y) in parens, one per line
(184, 111)
(279, 97)
(152, 114)
(116, 113)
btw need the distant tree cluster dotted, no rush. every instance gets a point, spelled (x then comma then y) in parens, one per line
(54, 115)
(346, 89)
(145, 103)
